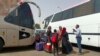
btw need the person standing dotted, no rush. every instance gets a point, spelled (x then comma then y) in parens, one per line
(48, 45)
(55, 43)
(77, 31)
(66, 45)
(49, 33)
(60, 37)
(60, 32)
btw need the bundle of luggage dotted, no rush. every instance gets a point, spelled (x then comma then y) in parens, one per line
(40, 46)
(43, 44)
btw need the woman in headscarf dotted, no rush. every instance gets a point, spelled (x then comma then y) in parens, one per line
(66, 46)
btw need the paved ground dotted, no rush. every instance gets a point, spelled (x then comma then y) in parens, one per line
(29, 51)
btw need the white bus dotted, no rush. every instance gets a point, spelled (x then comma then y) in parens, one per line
(17, 28)
(87, 16)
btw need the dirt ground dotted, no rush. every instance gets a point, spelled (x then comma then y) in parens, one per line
(29, 51)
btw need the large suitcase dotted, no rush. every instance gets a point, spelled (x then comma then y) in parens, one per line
(39, 46)
(48, 47)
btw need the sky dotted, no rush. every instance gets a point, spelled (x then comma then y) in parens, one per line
(49, 7)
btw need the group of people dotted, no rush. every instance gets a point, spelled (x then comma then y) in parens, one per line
(63, 42)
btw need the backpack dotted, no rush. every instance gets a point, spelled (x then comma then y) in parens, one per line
(54, 39)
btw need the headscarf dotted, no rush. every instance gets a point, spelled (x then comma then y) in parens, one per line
(63, 31)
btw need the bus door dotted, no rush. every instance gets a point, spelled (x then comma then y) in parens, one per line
(26, 24)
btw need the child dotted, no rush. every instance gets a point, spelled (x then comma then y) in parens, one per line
(55, 42)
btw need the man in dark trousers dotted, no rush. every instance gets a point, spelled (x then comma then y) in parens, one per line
(49, 33)
(48, 47)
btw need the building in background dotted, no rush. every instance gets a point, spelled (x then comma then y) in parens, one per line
(5, 6)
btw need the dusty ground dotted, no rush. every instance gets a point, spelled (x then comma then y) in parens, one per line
(29, 51)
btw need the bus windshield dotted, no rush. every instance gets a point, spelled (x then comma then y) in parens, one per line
(21, 16)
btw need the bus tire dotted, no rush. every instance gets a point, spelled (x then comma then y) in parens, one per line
(1, 44)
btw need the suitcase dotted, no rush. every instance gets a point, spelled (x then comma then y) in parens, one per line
(39, 46)
(48, 47)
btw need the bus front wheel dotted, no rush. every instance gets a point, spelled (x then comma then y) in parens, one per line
(1, 44)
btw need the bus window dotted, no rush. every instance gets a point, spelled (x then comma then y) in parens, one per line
(67, 14)
(97, 6)
(47, 20)
(12, 18)
(84, 9)
(57, 17)
(24, 17)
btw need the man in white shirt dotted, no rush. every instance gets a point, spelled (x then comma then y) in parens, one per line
(77, 31)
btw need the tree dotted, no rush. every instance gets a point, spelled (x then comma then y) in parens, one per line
(37, 26)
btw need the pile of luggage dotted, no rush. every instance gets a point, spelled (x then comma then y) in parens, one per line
(42, 44)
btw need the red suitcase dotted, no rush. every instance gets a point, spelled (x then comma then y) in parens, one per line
(48, 47)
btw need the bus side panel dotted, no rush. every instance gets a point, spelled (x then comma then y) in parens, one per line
(11, 38)
(99, 41)
(99, 37)
(90, 34)
(26, 37)
(90, 40)
(3, 35)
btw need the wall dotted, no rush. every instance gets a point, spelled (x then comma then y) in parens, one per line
(5, 5)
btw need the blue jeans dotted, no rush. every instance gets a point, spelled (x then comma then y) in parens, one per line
(79, 44)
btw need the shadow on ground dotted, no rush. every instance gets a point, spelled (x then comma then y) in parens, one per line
(85, 52)
(62, 54)
(16, 49)
(73, 52)
(97, 49)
